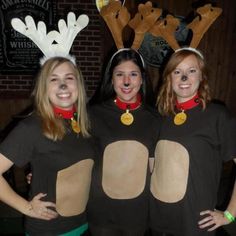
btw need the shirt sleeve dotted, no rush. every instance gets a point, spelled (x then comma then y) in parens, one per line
(19, 144)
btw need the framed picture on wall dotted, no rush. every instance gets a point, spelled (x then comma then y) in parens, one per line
(17, 52)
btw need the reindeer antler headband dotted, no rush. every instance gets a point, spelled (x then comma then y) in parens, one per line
(166, 27)
(53, 43)
(117, 18)
(147, 20)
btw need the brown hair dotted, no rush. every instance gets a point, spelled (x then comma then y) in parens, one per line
(166, 97)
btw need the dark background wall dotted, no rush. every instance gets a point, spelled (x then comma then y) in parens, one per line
(94, 45)
(15, 89)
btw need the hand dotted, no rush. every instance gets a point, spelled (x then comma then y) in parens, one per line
(42, 209)
(213, 220)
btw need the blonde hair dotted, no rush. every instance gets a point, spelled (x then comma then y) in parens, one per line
(53, 127)
(166, 97)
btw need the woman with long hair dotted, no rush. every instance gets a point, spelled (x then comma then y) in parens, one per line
(55, 140)
(126, 128)
(196, 136)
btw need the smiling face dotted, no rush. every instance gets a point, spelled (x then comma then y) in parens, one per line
(186, 79)
(127, 81)
(62, 87)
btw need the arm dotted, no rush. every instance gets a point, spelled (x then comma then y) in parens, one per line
(35, 208)
(215, 219)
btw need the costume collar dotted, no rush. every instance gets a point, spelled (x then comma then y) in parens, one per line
(66, 114)
(129, 106)
(188, 104)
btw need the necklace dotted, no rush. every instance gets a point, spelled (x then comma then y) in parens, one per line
(181, 116)
(127, 118)
(68, 115)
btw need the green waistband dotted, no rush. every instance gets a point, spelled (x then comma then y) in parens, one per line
(75, 232)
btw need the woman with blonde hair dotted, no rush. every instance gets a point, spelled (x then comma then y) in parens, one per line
(55, 141)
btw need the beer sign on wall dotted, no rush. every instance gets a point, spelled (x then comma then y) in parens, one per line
(155, 50)
(17, 52)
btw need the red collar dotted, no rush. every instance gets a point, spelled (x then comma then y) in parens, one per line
(66, 114)
(130, 106)
(188, 104)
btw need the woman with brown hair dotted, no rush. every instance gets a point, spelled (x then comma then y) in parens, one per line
(196, 137)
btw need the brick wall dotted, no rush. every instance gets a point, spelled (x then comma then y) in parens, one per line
(86, 48)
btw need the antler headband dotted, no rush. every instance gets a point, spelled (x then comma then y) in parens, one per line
(53, 43)
(166, 27)
(117, 18)
(147, 20)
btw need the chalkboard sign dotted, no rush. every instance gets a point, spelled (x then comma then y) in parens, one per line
(17, 52)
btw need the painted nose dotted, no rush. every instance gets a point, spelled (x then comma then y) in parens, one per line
(184, 78)
(63, 86)
(126, 81)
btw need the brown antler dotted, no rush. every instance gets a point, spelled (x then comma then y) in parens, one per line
(166, 29)
(143, 21)
(116, 17)
(200, 24)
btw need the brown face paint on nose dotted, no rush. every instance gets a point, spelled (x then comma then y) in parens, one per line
(63, 86)
(126, 84)
(184, 78)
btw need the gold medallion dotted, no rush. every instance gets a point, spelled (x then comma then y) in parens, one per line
(75, 126)
(180, 118)
(127, 118)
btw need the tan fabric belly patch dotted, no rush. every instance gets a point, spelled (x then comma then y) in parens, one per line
(72, 188)
(171, 169)
(124, 169)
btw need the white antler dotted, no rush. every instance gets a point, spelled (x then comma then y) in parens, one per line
(54, 43)
(37, 35)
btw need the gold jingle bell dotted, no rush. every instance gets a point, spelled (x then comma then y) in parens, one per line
(74, 125)
(180, 118)
(127, 118)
